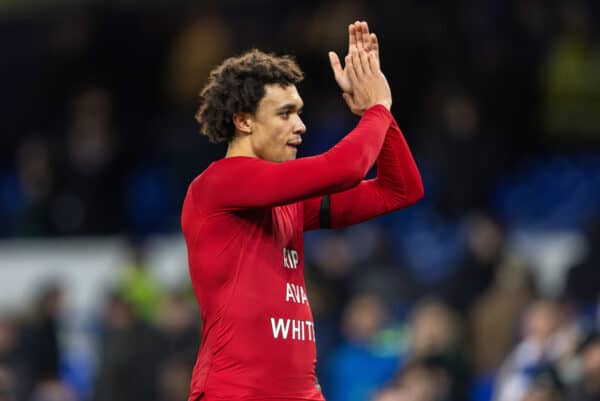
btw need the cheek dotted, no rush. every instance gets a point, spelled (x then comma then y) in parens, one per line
(269, 140)
(272, 134)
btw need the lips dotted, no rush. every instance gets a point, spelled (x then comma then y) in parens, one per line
(295, 143)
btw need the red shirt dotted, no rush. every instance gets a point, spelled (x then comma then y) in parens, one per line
(243, 219)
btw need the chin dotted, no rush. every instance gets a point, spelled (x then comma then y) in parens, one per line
(284, 156)
(291, 155)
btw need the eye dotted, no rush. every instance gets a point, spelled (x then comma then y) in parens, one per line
(285, 115)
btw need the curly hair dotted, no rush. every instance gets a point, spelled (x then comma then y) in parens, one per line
(238, 85)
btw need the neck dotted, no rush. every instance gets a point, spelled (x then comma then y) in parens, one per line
(240, 146)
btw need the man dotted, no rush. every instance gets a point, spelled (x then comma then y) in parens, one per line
(244, 216)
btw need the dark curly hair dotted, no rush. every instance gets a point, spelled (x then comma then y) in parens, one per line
(238, 85)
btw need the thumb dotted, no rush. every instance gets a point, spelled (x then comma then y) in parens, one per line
(336, 66)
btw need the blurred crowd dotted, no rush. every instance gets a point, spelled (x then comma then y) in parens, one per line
(499, 100)
(144, 338)
(99, 98)
(489, 334)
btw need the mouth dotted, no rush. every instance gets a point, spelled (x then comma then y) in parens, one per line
(294, 143)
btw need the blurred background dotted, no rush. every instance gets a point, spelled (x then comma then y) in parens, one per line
(488, 289)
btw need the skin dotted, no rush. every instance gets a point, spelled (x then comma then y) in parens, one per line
(359, 39)
(275, 130)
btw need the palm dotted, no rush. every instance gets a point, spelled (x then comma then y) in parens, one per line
(359, 38)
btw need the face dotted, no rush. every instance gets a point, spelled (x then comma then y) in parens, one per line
(277, 128)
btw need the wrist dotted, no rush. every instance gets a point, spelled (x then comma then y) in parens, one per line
(385, 103)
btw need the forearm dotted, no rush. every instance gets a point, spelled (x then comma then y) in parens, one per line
(398, 185)
(398, 178)
(357, 153)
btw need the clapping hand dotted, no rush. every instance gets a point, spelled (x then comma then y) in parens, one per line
(359, 38)
(369, 86)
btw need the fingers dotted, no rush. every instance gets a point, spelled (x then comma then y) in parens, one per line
(352, 75)
(374, 55)
(351, 38)
(364, 62)
(360, 38)
(336, 66)
(374, 43)
(364, 29)
(357, 64)
(373, 62)
(360, 44)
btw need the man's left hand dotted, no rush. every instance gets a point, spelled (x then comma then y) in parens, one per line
(359, 38)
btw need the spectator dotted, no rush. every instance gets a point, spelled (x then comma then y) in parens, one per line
(188, 64)
(538, 347)
(587, 387)
(475, 274)
(52, 390)
(40, 345)
(465, 157)
(35, 176)
(137, 283)
(358, 367)
(420, 380)
(174, 379)
(494, 317)
(178, 327)
(545, 386)
(7, 384)
(571, 80)
(583, 279)
(87, 200)
(127, 367)
(12, 363)
(436, 334)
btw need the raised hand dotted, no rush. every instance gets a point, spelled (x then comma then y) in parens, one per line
(369, 85)
(358, 38)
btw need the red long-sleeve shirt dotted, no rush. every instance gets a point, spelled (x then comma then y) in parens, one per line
(243, 219)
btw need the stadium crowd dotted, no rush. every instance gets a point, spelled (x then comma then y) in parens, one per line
(500, 102)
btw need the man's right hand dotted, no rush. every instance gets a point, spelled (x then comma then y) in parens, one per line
(370, 87)
(359, 38)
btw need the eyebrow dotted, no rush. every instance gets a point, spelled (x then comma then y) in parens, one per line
(289, 106)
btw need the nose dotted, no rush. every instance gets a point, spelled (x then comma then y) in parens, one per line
(299, 127)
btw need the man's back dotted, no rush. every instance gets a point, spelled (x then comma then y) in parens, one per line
(247, 271)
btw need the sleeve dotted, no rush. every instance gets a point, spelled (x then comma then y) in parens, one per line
(253, 183)
(397, 185)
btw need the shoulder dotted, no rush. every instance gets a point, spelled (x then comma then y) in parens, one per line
(220, 168)
(222, 175)
(227, 166)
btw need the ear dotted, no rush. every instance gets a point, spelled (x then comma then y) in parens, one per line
(243, 122)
